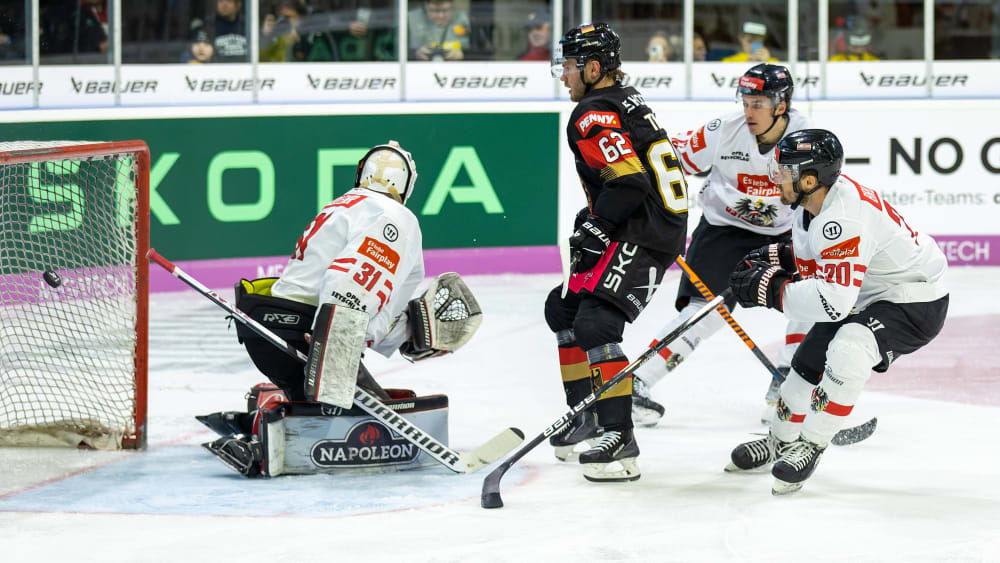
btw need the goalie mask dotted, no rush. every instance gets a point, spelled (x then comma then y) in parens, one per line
(387, 169)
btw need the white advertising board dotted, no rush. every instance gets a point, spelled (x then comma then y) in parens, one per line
(463, 80)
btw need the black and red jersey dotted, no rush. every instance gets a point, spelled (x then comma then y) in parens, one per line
(628, 169)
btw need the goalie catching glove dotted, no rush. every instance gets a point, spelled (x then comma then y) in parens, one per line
(756, 283)
(441, 320)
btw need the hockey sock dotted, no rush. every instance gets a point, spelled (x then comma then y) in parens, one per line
(614, 407)
(653, 371)
(574, 369)
(849, 359)
(792, 407)
(795, 332)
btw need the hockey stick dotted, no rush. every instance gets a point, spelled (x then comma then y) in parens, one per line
(707, 294)
(490, 497)
(846, 436)
(468, 462)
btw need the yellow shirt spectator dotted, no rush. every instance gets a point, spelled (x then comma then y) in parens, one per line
(853, 57)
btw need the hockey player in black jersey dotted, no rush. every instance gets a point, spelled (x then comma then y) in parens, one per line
(633, 228)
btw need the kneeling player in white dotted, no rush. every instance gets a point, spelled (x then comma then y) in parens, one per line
(870, 282)
(347, 286)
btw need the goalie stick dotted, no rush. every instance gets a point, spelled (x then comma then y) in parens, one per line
(468, 462)
(490, 497)
(846, 436)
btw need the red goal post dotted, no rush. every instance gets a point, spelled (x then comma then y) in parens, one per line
(74, 289)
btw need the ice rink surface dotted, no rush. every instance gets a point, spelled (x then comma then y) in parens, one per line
(924, 487)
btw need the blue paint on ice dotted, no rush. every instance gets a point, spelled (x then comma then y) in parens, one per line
(187, 480)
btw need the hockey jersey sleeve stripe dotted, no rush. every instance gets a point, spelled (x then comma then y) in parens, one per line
(338, 268)
(689, 166)
(631, 165)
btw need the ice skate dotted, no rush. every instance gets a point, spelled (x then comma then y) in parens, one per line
(226, 423)
(756, 453)
(241, 455)
(583, 429)
(645, 411)
(613, 458)
(772, 395)
(794, 465)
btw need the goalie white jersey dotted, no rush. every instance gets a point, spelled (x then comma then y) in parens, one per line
(363, 250)
(857, 251)
(738, 191)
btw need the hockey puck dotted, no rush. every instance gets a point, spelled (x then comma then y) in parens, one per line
(491, 500)
(52, 278)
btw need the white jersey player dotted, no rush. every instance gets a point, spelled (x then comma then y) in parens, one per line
(870, 282)
(363, 250)
(741, 211)
(347, 285)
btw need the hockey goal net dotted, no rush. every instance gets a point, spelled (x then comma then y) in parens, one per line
(74, 231)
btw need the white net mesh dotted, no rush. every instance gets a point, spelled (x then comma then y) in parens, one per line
(68, 350)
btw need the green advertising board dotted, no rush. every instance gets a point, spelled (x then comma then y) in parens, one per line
(232, 187)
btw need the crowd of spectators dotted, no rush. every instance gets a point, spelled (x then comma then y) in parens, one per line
(204, 31)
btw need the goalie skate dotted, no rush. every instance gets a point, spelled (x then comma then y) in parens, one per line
(239, 455)
(226, 423)
(583, 429)
(612, 459)
(645, 411)
(794, 465)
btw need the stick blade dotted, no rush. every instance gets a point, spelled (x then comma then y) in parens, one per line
(854, 435)
(491, 488)
(567, 265)
(495, 448)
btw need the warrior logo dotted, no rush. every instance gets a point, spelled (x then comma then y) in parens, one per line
(819, 400)
(756, 212)
(367, 443)
(784, 413)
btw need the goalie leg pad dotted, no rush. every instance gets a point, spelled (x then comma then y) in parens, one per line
(308, 438)
(443, 319)
(338, 339)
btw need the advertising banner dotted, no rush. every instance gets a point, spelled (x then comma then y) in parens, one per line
(479, 81)
(935, 162)
(247, 186)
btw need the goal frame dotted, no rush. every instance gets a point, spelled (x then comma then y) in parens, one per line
(138, 439)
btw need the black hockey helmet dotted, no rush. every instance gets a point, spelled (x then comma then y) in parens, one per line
(766, 79)
(808, 150)
(592, 41)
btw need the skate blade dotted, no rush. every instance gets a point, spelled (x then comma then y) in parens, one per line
(733, 468)
(615, 472)
(645, 417)
(780, 487)
(227, 460)
(572, 452)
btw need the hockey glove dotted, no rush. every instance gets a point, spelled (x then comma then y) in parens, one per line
(589, 242)
(759, 284)
(776, 254)
(581, 216)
